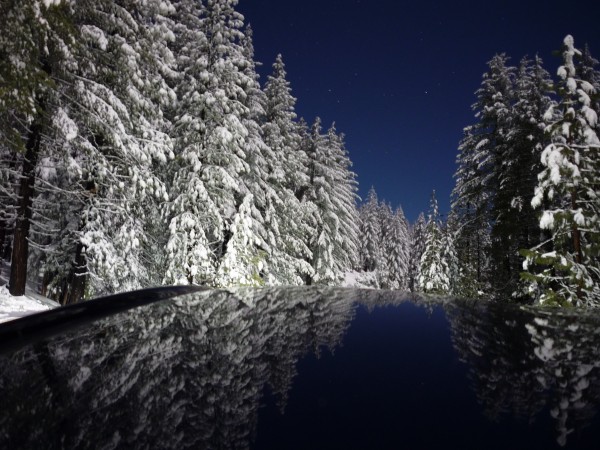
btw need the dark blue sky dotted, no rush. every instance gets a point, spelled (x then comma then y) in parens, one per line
(398, 77)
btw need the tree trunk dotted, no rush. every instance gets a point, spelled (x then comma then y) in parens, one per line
(78, 277)
(20, 251)
(576, 241)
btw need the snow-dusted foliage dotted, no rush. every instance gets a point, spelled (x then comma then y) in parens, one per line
(568, 195)
(479, 160)
(370, 233)
(289, 218)
(396, 251)
(332, 190)
(243, 262)
(498, 163)
(434, 271)
(417, 247)
(384, 250)
(139, 149)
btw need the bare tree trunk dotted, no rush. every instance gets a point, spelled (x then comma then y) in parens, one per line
(20, 251)
(78, 277)
(576, 240)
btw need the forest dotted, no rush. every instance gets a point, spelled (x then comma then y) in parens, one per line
(138, 147)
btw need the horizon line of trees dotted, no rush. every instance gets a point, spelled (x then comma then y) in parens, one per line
(138, 148)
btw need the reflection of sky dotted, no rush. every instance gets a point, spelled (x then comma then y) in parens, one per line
(398, 77)
(396, 382)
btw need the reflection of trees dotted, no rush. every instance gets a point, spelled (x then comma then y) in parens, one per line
(524, 361)
(187, 373)
(374, 298)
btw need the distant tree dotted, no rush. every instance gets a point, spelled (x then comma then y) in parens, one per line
(417, 247)
(434, 272)
(370, 232)
(397, 251)
(385, 243)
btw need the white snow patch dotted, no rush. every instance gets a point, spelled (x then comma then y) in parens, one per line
(360, 279)
(15, 307)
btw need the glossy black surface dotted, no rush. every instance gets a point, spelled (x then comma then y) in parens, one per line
(306, 368)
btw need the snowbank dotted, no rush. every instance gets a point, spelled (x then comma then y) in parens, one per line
(14, 307)
(360, 279)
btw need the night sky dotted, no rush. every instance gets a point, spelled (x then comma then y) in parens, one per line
(398, 78)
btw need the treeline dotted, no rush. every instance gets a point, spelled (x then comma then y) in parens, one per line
(419, 258)
(138, 148)
(527, 195)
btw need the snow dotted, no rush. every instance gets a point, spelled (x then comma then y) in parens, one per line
(360, 279)
(15, 307)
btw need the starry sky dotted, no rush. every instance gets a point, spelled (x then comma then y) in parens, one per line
(398, 77)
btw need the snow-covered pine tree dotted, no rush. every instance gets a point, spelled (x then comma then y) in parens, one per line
(243, 262)
(588, 69)
(417, 247)
(211, 158)
(397, 252)
(450, 256)
(385, 217)
(114, 98)
(370, 232)
(434, 272)
(477, 177)
(333, 192)
(515, 225)
(569, 274)
(290, 222)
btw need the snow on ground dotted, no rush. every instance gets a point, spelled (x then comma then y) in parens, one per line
(14, 307)
(360, 279)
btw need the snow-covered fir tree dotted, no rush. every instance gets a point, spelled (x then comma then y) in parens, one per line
(290, 220)
(434, 272)
(569, 273)
(417, 247)
(479, 160)
(332, 190)
(211, 138)
(243, 261)
(514, 224)
(397, 251)
(119, 137)
(370, 232)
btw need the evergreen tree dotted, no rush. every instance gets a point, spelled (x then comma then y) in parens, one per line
(481, 154)
(396, 251)
(243, 262)
(434, 272)
(417, 247)
(514, 224)
(333, 192)
(370, 232)
(290, 222)
(570, 273)
(384, 244)
(35, 45)
(211, 139)
(116, 98)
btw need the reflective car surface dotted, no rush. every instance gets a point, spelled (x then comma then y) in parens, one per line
(299, 368)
